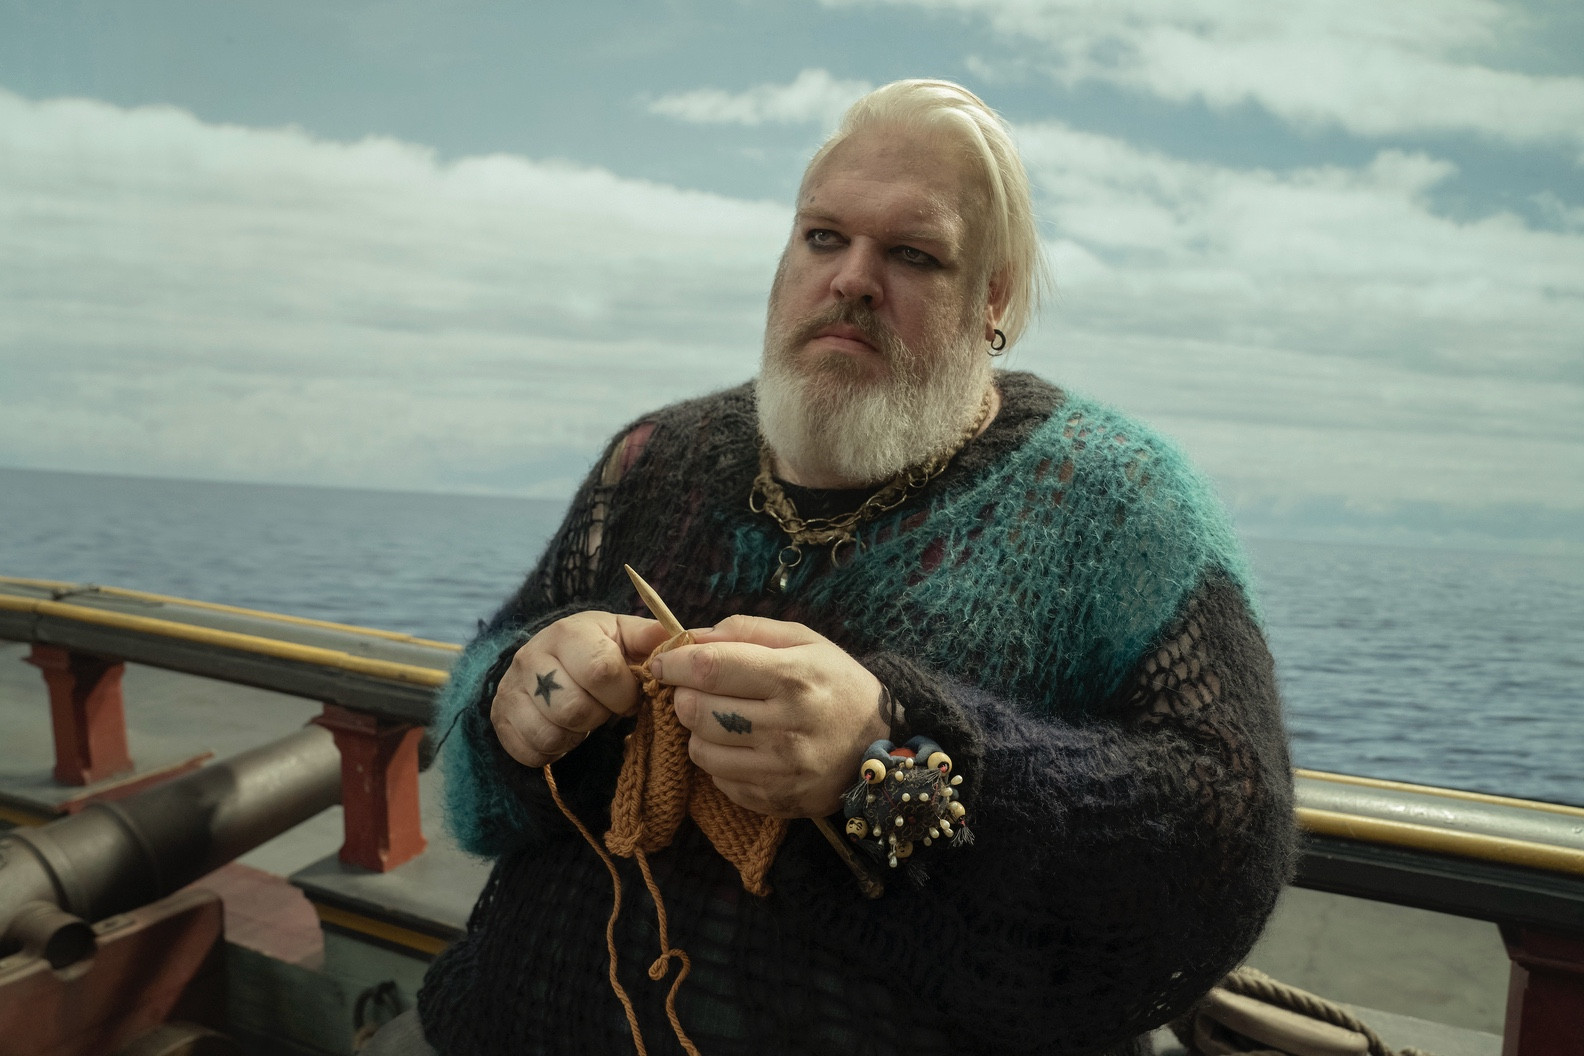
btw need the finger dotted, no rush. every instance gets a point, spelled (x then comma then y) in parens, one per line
(638, 637)
(533, 743)
(724, 720)
(758, 630)
(724, 762)
(740, 773)
(597, 665)
(727, 669)
(538, 686)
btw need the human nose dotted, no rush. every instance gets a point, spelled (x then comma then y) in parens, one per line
(858, 277)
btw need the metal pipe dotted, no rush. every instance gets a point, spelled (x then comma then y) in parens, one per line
(44, 930)
(112, 857)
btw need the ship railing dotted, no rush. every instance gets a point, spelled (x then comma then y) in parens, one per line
(1517, 863)
(376, 688)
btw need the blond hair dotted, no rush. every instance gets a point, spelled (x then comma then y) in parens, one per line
(1011, 250)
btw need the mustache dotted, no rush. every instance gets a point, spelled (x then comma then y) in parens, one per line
(860, 317)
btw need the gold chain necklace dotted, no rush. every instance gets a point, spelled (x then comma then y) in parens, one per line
(767, 497)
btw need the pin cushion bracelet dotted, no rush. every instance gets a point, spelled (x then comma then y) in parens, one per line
(906, 797)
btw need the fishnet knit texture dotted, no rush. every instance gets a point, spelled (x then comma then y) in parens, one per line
(1063, 610)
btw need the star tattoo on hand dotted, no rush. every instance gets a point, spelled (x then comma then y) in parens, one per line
(547, 684)
(732, 722)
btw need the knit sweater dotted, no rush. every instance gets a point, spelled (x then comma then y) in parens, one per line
(1063, 609)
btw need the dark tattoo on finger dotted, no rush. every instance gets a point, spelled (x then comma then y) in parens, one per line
(547, 685)
(732, 722)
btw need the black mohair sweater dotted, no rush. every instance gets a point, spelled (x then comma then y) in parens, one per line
(1062, 609)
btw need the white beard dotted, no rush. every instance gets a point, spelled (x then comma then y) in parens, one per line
(822, 414)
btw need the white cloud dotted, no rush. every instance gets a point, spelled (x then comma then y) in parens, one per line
(1556, 211)
(216, 300)
(1374, 69)
(814, 96)
(1320, 331)
(1337, 260)
(177, 297)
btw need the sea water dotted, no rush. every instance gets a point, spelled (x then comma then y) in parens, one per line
(1437, 666)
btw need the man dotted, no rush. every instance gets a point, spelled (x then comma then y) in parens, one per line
(884, 540)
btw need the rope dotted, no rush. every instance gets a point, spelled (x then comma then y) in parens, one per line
(1251, 982)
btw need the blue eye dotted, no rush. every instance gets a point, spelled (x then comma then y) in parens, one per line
(822, 238)
(916, 257)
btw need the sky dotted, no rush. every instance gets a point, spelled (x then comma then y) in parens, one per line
(1334, 247)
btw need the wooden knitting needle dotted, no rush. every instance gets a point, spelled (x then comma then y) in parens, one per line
(651, 600)
(872, 886)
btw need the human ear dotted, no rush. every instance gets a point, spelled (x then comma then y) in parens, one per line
(996, 297)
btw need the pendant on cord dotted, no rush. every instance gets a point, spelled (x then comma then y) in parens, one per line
(790, 557)
(842, 552)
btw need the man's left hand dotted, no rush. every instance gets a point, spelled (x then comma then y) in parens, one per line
(780, 715)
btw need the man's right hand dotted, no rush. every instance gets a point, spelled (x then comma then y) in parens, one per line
(569, 680)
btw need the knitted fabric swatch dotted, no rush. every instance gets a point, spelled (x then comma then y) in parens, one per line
(659, 785)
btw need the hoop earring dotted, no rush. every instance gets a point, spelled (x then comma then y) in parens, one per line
(998, 343)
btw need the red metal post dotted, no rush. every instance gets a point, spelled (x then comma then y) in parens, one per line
(1545, 994)
(86, 712)
(379, 788)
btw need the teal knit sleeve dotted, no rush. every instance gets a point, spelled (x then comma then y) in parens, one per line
(493, 804)
(479, 809)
